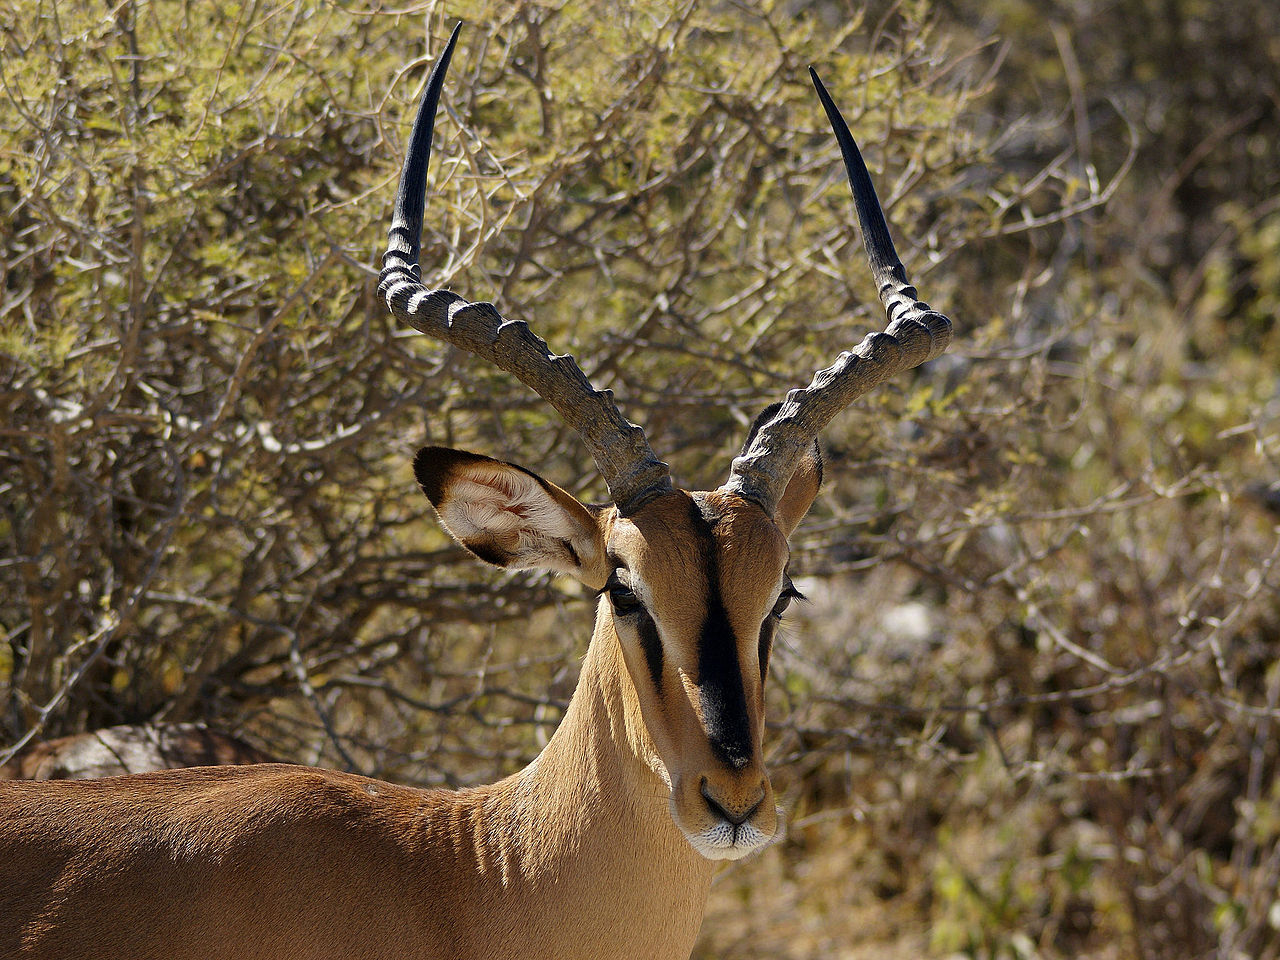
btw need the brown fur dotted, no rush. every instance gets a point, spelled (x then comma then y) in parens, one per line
(587, 853)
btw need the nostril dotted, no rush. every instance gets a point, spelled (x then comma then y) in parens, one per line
(736, 819)
(714, 804)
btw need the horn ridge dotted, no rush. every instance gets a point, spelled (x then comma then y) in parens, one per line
(915, 334)
(621, 451)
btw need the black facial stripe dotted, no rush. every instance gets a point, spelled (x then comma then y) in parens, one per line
(651, 644)
(720, 690)
(766, 645)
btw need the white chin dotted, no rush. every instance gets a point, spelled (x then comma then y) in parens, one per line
(735, 852)
(722, 842)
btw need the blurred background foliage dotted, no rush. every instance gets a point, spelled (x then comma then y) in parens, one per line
(1031, 708)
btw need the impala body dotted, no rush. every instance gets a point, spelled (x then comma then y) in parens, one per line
(603, 847)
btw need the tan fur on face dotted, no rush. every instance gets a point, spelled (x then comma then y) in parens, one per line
(667, 561)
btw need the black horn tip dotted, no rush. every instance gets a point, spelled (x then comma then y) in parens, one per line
(827, 103)
(875, 232)
(443, 63)
(406, 218)
(453, 39)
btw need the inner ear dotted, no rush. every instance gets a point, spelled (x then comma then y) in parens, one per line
(804, 484)
(511, 517)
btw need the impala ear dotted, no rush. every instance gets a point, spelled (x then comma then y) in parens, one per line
(804, 484)
(510, 517)
(802, 490)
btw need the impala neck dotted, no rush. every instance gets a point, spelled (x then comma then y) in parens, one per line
(595, 836)
(603, 745)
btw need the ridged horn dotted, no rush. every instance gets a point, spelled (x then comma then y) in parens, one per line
(915, 334)
(619, 448)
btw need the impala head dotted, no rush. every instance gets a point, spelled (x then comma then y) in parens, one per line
(692, 583)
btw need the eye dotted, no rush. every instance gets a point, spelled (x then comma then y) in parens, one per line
(622, 597)
(789, 593)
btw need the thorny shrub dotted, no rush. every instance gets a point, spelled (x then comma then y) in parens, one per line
(1029, 710)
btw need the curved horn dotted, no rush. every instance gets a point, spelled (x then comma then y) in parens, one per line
(619, 447)
(915, 333)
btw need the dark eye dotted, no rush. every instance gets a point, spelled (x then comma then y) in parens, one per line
(622, 597)
(789, 593)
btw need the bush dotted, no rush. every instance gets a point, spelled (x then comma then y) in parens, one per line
(1028, 712)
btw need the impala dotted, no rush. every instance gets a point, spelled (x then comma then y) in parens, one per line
(604, 845)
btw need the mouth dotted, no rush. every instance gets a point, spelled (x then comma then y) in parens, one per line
(722, 840)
